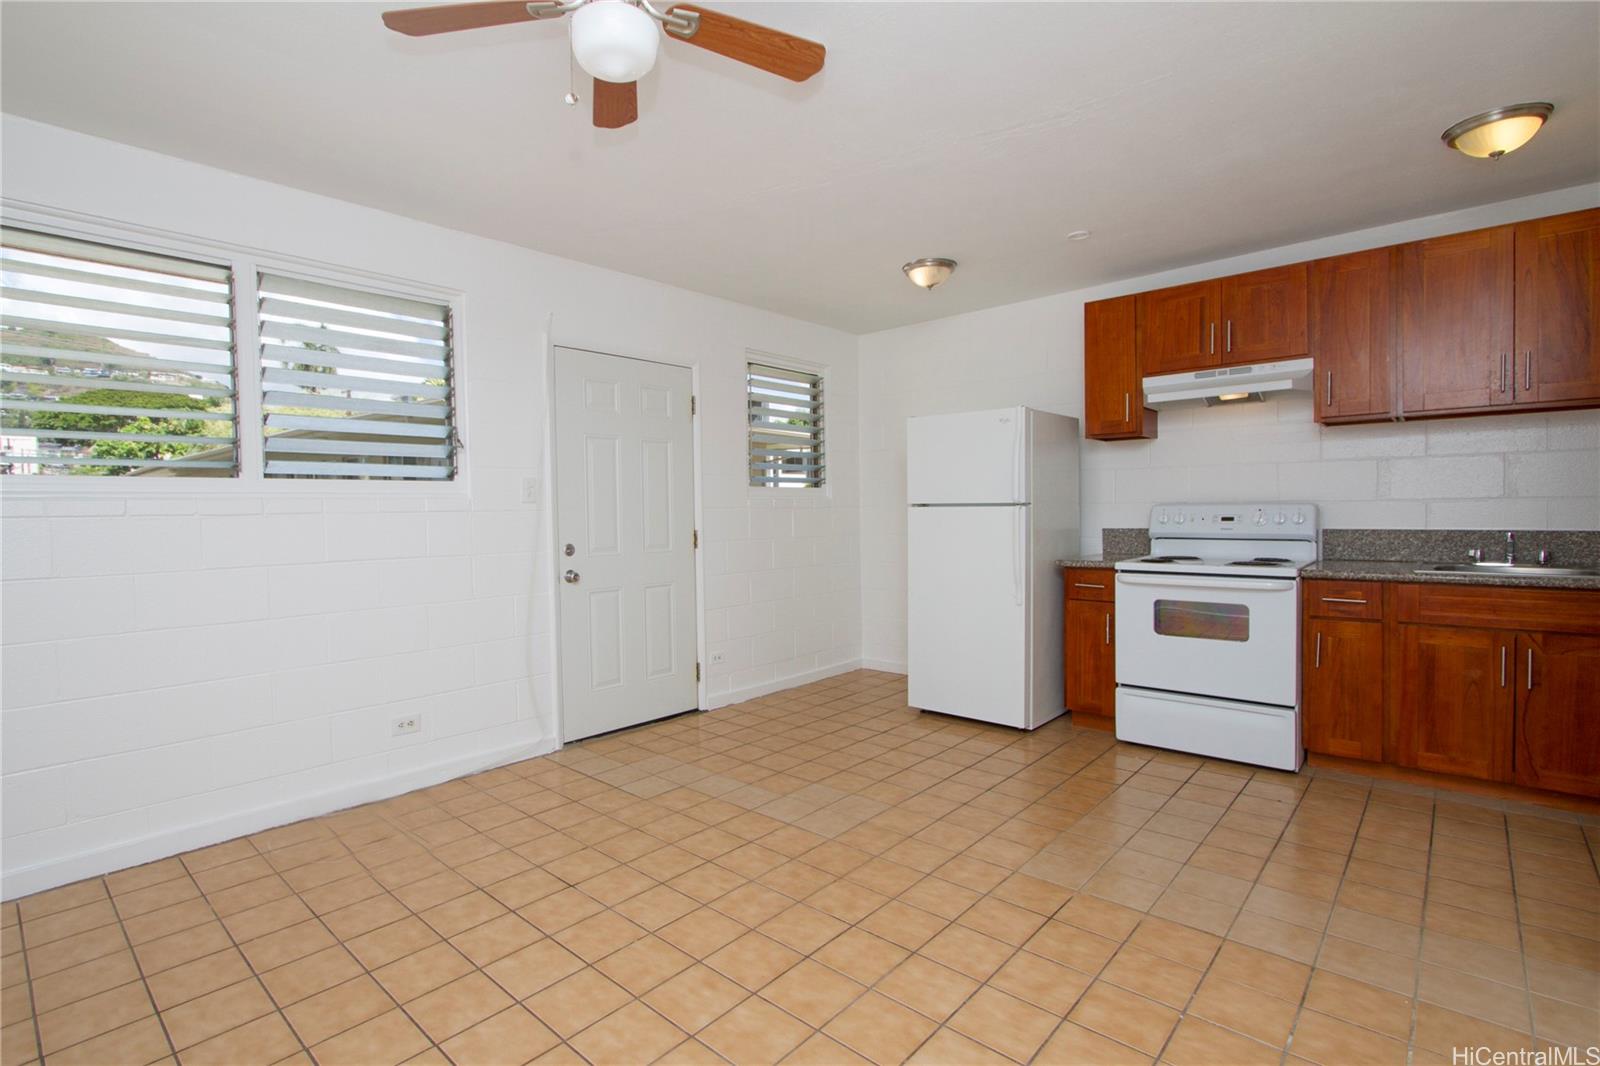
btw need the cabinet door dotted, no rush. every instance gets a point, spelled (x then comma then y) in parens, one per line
(1558, 309)
(1178, 328)
(1113, 393)
(1264, 315)
(1558, 712)
(1352, 334)
(1455, 321)
(1342, 688)
(1091, 658)
(1454, 700)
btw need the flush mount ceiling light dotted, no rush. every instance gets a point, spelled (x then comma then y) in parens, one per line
(1494, 133)
(929, 273)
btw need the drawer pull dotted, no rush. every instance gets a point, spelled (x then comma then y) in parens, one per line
(1343, 599)
(1086, 585)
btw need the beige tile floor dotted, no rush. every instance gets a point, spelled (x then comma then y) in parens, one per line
(824, 875)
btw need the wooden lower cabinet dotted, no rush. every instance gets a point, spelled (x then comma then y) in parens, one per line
(1454, 700)
(1090, 662)
(1557, 722)
(1341, 696)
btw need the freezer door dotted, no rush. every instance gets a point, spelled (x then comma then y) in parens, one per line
(967, 648)
(975, 457)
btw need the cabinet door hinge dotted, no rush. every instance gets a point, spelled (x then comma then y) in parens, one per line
(697, 671)
(694, 405)
(697, 538)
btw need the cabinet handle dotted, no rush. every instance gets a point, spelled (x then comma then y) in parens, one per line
(1530, 669)
(1503, 372)
(1330, 388)
(1527, 373)
(1319, 649)
(1502, 666)
(1085, 585)
(1127, 407)
(1342, 599)
(1108, 629)
(1211, 343)
(1228, 342)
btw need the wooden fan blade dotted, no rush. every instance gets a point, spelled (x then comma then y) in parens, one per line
(615, 103)
(447, 18)
(771, 50)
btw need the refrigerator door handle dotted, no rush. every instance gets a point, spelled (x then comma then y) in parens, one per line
(1018, 549)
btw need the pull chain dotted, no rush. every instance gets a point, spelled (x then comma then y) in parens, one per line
(572, 71)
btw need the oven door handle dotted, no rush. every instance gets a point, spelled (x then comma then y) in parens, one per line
(1195, 581)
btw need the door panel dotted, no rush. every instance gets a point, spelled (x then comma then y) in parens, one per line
(966, 633)
(1113, 392)
(1342, 696)
(1264, 315)
(973, 457)
(1091, 658)
(1178, 328)
(1558, 729)
(1454, 704)
(1352, 334)
(624, 459)
(1456, 321)
(1558, 309)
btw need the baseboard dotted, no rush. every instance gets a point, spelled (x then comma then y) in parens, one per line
(767, 688)
(40, 876)
(886, 666)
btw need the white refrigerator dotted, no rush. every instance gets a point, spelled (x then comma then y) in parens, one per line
(993, 502)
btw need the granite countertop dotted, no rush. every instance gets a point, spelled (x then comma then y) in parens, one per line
(1385, 570)
(1097, 561)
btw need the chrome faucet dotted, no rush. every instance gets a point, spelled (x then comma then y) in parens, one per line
(1511, 549)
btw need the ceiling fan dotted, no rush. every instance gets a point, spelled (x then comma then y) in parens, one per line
(615, 41)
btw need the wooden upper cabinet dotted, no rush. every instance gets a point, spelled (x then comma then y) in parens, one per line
(1558, 731)
(1352, 327)
(1263, 315)
(1178, 328)
(1453, 700)
(1113, 391)
(1558, 310)
(1456, 310)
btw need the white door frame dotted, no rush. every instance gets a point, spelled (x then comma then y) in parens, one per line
(552, 525)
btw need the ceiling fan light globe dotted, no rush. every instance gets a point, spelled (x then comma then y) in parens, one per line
(614, 41)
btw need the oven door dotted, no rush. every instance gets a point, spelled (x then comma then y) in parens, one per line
(1235, 638)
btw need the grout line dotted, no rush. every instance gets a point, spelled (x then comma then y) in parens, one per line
(27, 977)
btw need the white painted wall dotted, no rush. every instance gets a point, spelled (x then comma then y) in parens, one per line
(1526, 471)
(185, 662)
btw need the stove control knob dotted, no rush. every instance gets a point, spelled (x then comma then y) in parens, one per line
(1161, 517)
(1261, 518)
(1299, 518)
(1281, 518)
(1179, 518)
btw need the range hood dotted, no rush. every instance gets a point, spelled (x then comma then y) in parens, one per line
(1228, 384)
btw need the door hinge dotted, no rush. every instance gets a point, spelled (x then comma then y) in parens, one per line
(694, 405)
(697, 671)
(697, 538)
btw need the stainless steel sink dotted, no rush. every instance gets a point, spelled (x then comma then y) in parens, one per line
(1510, 570)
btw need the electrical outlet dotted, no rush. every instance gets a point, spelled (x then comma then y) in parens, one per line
(718, 658)
(402, 726)
(530, 490)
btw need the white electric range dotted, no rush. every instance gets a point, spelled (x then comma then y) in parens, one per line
(1208, 631)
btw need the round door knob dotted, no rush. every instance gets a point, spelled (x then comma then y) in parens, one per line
(570, 577)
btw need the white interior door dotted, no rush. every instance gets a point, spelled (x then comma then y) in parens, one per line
(624, 459)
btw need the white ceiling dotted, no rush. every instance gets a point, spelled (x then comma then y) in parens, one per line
(1177, 133)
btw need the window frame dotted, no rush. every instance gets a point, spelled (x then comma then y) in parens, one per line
(247, 263)
(823, 372)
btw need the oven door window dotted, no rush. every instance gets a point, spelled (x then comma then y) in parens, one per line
(1202, 621)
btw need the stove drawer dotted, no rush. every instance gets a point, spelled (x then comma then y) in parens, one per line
(1343, 599)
